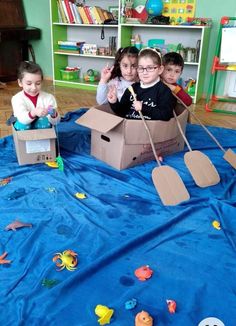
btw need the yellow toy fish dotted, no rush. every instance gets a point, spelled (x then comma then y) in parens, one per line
(80, 195)
(104, 313)
(52, 164)
(216, 225)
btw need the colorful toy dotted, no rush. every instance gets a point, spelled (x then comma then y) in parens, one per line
(80, 195)
(16, 225)
(216, 225)
(154, 7)
(67, 260)
(104, 313)
(171, 306)
(130, 304)
(4, 261)
(52, 164)
(4, 182)
(143, 319)
(91, 75)
(143, 273)
(139, 11)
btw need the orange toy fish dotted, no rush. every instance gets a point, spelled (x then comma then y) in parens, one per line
(143, 319)
(171, 306)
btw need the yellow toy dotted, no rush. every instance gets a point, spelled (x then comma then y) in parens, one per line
(104, 313)
(216, 225)
(67, 260)
(52, 164)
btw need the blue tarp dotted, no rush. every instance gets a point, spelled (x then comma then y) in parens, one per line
(120, 226)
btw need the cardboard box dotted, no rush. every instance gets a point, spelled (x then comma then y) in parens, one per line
(123, 143)
(35, 146)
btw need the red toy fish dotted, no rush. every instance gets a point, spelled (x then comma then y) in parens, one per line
(3, 260)
(171, 306)
(16, 225)
(143, 273)
(4, 182)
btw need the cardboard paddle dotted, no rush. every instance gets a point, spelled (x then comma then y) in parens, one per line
(167, 181)
(199, 165)
(229, 154)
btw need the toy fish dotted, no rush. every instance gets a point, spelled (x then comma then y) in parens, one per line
(216, 225)
(143, 319)
(130, 304)
(3, 260)
(49, 283)
(80, 195)
(52, 164)
(16, 225)
(4, 182)
(17, 194)
(143, 273)
(171, 306)
(104, 313)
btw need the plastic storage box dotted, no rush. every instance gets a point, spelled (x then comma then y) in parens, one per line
(69, 74)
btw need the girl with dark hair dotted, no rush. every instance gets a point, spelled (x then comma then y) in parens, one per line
(121, 75)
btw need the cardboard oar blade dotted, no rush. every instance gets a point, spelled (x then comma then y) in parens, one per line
(230, 157)
(201, 168)
(169, 185)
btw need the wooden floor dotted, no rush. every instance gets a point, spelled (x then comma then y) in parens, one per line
(69, 99)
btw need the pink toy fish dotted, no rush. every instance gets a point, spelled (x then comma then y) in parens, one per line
(16, 225)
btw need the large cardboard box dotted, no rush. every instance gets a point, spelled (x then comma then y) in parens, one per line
(123, 143)
(35, 146)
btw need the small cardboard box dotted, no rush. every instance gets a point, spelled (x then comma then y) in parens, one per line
(35, 146)
(123, 143)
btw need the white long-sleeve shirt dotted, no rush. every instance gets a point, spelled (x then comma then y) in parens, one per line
(102, 89)
(22, 105)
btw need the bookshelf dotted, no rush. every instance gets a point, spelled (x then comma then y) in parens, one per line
(188, 36)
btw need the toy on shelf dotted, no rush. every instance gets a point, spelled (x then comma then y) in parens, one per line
(143, 319)
(154, 7)
(104, 313)
(91, 75)
(190, 86)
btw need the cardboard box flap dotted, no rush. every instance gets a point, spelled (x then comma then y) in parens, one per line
(135, 132)
(36, 134)
(99, 120)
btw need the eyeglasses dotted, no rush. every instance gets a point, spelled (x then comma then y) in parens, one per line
(148, 69)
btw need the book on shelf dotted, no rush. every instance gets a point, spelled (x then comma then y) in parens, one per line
(72, 43)
(68, 9)
(87, 12)
(78, 19)
(83, 15)
(62, 12)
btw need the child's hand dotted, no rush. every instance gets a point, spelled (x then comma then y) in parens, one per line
(106, 74)
(112, 94)
(39, 112)
(137, 105)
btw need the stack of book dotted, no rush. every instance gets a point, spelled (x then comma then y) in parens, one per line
(69, 12)
(70, 46)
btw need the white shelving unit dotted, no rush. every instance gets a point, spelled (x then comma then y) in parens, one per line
(188, 36)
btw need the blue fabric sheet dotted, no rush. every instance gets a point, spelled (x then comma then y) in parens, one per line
(120, 226)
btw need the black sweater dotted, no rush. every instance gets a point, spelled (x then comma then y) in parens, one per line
(157, 103)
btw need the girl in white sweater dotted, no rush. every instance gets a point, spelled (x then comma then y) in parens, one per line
(33, 108)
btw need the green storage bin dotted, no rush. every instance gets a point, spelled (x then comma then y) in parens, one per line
(69, 75)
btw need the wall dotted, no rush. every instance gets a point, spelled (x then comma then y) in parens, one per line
(38, 15)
